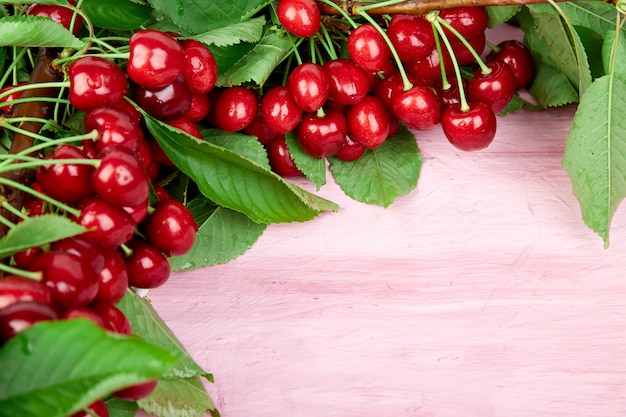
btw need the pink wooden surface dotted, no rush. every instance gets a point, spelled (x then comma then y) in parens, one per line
(481, 294)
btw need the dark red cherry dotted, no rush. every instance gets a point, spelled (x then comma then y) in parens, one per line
(259, 128)
(66, 182)
(199, 67)
(171, 227)
(348, 84)
(368, 122)
(114, 319)
(186, 126)
(418, 107)
(20, 316)
(496, 88)
(308, 85)
(469, 130)
(115, 126)
(469, 21)
(515, 54)
(14, 289)
(429, 68)
(235, 108)
(199, 108)
(156, 58)
(322, 136)
(83, 247)
(299, 17)
(451, 94)
(463, 55)
(58, 13)
(108, 225)
(147, 266)
(368, 48)
(95, 82)
(168, 102)
(98, 408)
(350, 151)
(280, 111)
(280, 158)
(120, 179)
(136, 392)
(83, 313)
(412, 36)
(112, 278)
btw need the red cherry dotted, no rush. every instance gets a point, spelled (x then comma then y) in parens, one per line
(112, 278)
(463, 55)
(147, 266)
(199, 108)
(299, 17)
(120, 179)
(156, 58)
(308, 85)
(95, 82)
(114, 319)
(280, 158)
(429, 68)
(280, 111)
(350, 151)
(259, 128)
(20, 316)
(412, 36)
(368, 122)
(368, 48)
(515, 54)
(418, 107)
(168, 102)
(108, 225)
(171, 227)
(199, 67)
(235, 108)
(469, 21)
(84, 313)
(65, 182)
(10, 97)
(186, 126)
(496, 88)
(322, 136)
(115, 126)
(83, 247)
(14, 289)
(58, 13)
(136, 392)
(98, 408)
(348, 84)
(469, 130)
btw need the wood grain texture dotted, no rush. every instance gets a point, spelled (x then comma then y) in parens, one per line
(481, 294)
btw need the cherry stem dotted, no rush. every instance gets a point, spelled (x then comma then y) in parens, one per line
(36, 99)
(13, 67)
(407, 84)
(17, 213)
(3, 220)
(327, 43)
(445, 84)
(493, 47)
(483, 67)
(341, 11)
(66, 59)
(621, 6)
(45, 162)
(71, 210)
(37, 276)
(457, 70)
(17, 89)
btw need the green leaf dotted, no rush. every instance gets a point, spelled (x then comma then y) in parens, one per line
(116, 14)
(145, 322)
(178, 398)
(501, 14)
(236, 182)
(223, 235)
(551, 88)
(249, 31)
(595, 151)
(37, 231)
(121, 408)
(382, 174)
(517, 103)
(610, 55)
(312, 168)
(201, 16)
(46, 373)
(597, 16)
(36, 31)
(259, 63)
(565, 47)
(245, 145)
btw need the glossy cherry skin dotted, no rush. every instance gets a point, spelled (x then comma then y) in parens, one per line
(259, 128)
(14, 289)
(429, 68)
(71, 280)
(98, 408)
(115, 126)
(95, 82)
(199, 67)
(171, 227)
(112, 278)
(156, 58)
(168, 102)
(280, 159)
(350, 151)
(418, 107)
(20, 316)
(114, 319)
(280, 111)
(368, 48)
(308, 85)
(463, 55)
(368, 122)
(496, 88)
(199, 108)
(58, 13)
(470, 130)
(83, 313)
(147, 266)
(186, 126)
(322, 136)
(235, 108)
(411, 36)
(120, 179)
(136, 392)
(469, 21)
(299, 17)
(83, 247)
(10, 97)
(65, 182)
(109, 225)
(515, 54)
(348, 84)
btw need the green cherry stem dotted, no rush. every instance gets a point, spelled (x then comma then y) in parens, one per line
(71, 210)
(11, 270)
(12, 68)
(445, 84)
(17, 89)
(483, 67)
(18, 213)
(343, 13)
(4, 221)
(45, 162)
(621, 6)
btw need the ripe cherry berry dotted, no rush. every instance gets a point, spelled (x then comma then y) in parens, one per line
(469, 21)
(10, 97)
(199, 67)
(367, 48)
(109, 225)
(515, 54)
(280, 111)
(495, 88)
(14, 289)
(322, 135)
(235, 108)
(348, 84)
(368, 122)
(280, 159)
(469, 130)
(156, 58)
(66, 182)
(299, 17)
(97, 408)
(136, 392)
(308, 85)
(418, 107)
(115, 126)
(171, 227)
(95, 82)
(114, 319)
(112, 278)
(84, 248)
(350, 151)
(20, 316)
(412, 36)
(58, 13)
(147, 266)
(168, 102)
(120, 179)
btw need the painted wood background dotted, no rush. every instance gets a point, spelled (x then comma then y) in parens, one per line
(481, 294)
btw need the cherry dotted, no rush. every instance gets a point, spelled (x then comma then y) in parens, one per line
(368, 48)
(97, 408)
(139, 212)
(156, 58)
(136, 392)
(495, 88)
(112, 278)
(199, 108)
(451, 94)
(515, 54)
(115, 126)
(108, 225)
(114, 319)
(463, 55)
(235, 108)
(168, 102)
(83, 247)
(308, 85)
(84, 313)
(299, 17)
(368, 122)
(280, 111)
(259, 128)
(389, 86)
(469, 130)
(322, 135)
(14, 289)
(411, 36)
(429, 68)
(469, 21)
(186, 126)
(20, 316)
(95, 82)
(120, 179)
(199, 67)
(10, 97)
(348, 84)
(66, 182)
(418, 107)
(171, 227)
(280, 159)
(147, 266)
(71, 280)
(58, 13)
(350, 150)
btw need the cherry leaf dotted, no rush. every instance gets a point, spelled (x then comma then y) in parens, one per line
(551, 88)
(248, 31)
(312, 168)
(177, 398)
(36, 31)
(236, 182)
(46, 373)
(116, 14)
(382, 174)
(501, 14)
(121, 408)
